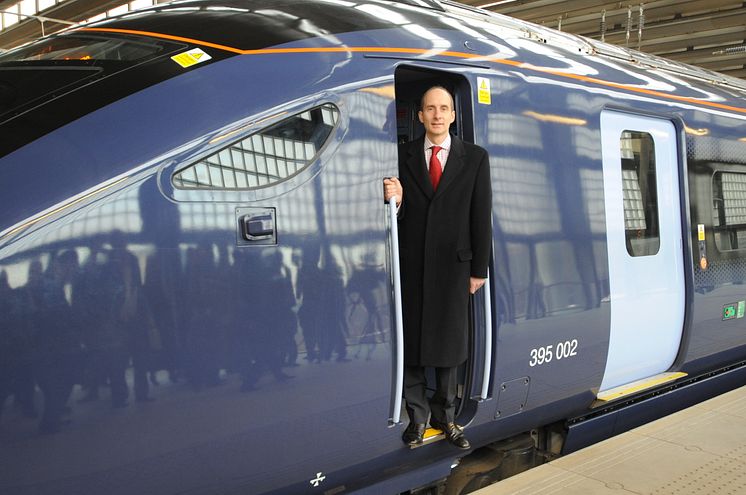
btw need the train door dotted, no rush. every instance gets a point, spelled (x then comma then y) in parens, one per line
(411, 84)
(643, 222)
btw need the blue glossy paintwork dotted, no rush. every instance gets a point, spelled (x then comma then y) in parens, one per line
(274, 363)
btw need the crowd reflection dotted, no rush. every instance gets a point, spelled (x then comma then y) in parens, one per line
(318, 308)
(108, 322)
(267, 338)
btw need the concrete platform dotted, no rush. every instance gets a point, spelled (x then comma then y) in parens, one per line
(700, 450)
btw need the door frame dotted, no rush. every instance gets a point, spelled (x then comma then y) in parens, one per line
(411, 81)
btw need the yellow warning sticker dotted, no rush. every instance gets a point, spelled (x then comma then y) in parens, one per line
(484, 95)
(191, 57)
(701, 232)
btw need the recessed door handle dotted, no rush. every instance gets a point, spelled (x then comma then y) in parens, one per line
(258, 227)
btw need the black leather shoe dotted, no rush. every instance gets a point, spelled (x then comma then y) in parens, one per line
(412, 436)
(453, 433)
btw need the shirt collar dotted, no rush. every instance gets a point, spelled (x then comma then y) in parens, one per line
(446, 145)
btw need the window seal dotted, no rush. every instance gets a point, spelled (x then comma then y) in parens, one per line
(214, 140)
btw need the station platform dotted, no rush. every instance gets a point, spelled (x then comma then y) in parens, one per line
(700, 450)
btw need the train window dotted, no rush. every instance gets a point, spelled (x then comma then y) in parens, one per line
(729, 210)
(43, 70)
(84, 48)
(265, 158)
(639, 193)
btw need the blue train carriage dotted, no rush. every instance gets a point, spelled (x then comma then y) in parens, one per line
(196, 260)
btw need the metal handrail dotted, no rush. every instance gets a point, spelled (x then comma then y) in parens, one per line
(399, 373)
(487, 341)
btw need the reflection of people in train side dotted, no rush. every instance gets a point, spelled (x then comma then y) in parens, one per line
(87, 291)
(312, 298)
(163, 281)
(272, 322)
(322, 311)
(16, 347)
(6, 341)
(200, 339)
(287, 320)
(101, 286)
(16, 367)
(57, 345)
(362, 288)
(132, 314)
(332, 337)
(241, 357)
(35, 283)
(162, 277)
(285, 303)
(224, 306)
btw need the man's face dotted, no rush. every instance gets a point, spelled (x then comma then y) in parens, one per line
(437, 114)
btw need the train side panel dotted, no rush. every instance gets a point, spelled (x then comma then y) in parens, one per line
(154, 326)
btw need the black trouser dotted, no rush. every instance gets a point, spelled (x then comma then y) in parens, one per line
(141, 364)
(442, 406)
(17, 378)
(55, 376)
(111, 364)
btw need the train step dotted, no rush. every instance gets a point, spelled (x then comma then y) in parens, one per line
(622, 391)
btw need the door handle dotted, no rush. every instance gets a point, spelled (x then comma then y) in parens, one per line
(399, 345)
(258, 227)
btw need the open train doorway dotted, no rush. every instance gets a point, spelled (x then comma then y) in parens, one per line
(410, 84)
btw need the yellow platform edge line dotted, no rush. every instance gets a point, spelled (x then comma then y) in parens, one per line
(638, 386)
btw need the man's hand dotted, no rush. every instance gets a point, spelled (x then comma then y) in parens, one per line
(475, 284)
(392, 187)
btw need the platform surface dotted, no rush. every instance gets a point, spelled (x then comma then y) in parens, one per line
(700, 450)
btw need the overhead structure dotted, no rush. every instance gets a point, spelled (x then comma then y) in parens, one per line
(24, 20)
(707, 33)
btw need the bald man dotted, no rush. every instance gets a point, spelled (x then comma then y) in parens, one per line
(445, 231)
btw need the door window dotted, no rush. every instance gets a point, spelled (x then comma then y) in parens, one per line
(639, 193)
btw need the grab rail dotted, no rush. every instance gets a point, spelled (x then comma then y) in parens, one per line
(487, 341)
(399, 374)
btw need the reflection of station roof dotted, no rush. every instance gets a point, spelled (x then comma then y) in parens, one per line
(706, 33)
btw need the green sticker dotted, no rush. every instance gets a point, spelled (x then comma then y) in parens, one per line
(729, 311)
(741, 309)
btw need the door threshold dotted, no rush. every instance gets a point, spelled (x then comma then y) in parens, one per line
(622, 391)
(431, 435)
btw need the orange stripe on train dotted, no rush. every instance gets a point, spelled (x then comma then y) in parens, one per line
(422, 51)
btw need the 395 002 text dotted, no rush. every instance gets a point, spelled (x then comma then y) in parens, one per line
(546, 354)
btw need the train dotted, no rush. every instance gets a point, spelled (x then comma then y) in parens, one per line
(197, 267)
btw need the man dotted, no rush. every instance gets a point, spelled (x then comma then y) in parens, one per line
(445, 239)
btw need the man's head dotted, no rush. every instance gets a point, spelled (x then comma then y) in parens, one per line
(437, 113)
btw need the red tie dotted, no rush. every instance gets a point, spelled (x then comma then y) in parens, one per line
(436, 170)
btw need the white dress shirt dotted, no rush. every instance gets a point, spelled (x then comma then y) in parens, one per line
(442, 154)
(445, 148)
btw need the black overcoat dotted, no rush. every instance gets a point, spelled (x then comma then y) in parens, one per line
(444, 238)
